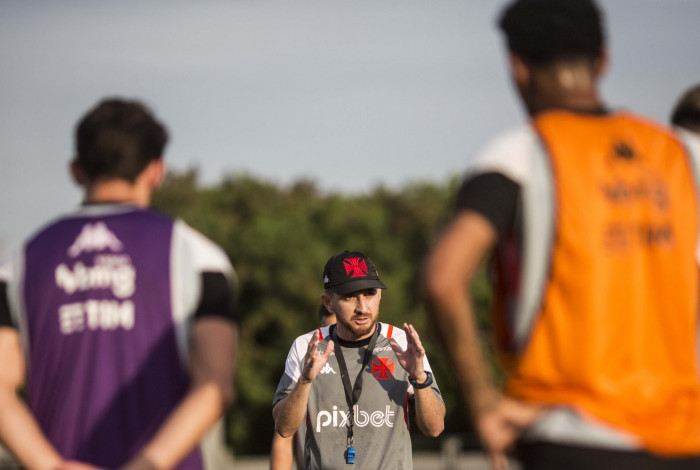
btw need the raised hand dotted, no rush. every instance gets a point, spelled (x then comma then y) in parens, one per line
(313, 361)
(412, 358)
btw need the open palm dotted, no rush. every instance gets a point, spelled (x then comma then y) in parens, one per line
(313, 361)
(412, 358)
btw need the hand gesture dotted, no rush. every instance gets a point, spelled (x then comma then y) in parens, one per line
(313, 361)
(412, 358)
(501, 425)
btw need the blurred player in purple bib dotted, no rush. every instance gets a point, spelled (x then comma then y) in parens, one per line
(119, 320)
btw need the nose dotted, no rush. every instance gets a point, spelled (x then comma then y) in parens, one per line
(362, 306)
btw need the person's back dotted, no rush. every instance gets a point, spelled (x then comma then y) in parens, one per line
(125, 315)
(102, 332)
(592, 216)
(621, 297)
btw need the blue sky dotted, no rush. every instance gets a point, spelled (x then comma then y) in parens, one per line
(350, 94)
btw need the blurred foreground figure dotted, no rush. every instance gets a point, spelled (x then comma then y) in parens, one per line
(591, 216)
(353, 381)
(282, 453)
(119, 320)
(686, 113)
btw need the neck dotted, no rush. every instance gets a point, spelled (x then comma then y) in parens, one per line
(565, 86)
(120, 191)
(577, 102)
(347, 335)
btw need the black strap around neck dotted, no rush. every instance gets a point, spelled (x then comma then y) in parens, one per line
(352, 394)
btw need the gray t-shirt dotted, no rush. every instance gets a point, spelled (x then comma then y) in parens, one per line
(381, 437)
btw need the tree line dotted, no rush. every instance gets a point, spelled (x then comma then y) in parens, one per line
(279, 238)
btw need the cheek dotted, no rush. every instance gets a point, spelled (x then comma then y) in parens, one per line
(343, 309)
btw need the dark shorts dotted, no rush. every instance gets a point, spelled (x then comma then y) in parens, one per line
(542, 456)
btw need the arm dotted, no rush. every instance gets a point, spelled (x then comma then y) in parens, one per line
(282, 453)
(18, 428)
(430, 410)
(212, 365)
(449, 272)
(289, 412)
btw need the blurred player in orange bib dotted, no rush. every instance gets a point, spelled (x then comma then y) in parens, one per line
(592, 218)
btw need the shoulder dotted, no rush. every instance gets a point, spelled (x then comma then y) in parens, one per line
(643, 122)
(691, 140)
(206, 255)
(508, 154)
(302, 342)
(687, 140)
(92, 218)
(53, 224)
(390, 331)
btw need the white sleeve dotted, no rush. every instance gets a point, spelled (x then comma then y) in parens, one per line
(206, 255)
(691, 140)
(508, 154)
(191, 254)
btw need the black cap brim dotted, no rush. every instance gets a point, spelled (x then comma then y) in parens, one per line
(360, 284)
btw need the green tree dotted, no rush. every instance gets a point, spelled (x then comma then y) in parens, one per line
(279, 239)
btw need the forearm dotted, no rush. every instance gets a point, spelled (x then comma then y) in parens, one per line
(430, 412)
(282, 454)
(456, 325)
(290, 411)
(450, 270)
(183, 430)
(20, 432)
(18, 428)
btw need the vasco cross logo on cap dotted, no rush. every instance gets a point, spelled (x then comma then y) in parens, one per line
(357, 267)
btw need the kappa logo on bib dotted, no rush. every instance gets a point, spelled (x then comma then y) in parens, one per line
(94, 237)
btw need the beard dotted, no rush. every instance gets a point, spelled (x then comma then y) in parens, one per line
(358, 331)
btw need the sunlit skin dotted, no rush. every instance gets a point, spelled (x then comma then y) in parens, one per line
(356, 313)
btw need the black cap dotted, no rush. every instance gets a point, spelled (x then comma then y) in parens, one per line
(350, 271)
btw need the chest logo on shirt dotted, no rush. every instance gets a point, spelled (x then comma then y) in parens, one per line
(327, 369)
(383, 368)
(354, 267)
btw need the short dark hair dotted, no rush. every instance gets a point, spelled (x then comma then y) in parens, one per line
(117, 139)
(542, 32)
(686, 113)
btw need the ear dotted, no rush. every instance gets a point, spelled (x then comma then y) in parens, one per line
(76, 173)
(326, 300)
(520, 72)
(156, 173)
(600, 66)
